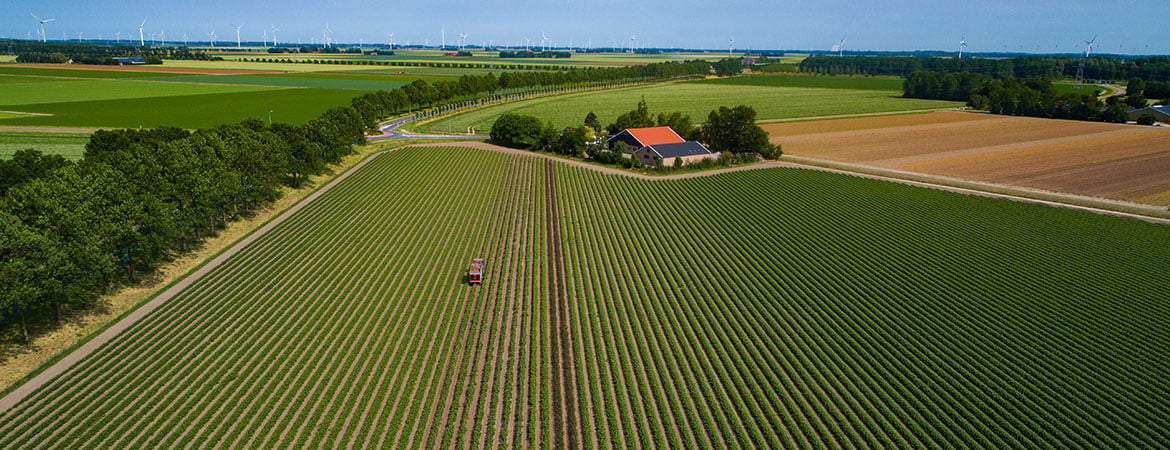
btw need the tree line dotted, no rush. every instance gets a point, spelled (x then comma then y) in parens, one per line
(82, 53)
(1035, 97)
(532, 54)
(1097, 67)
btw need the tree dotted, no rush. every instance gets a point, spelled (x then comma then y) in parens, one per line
(592, 122)
(1135, 87)
(27, 165)
(516, 130)
(1136, 101)
(679, 123)
(728, 66)
(571, 142)
(638, 118)
(734, 130)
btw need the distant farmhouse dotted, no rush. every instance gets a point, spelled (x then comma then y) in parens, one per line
(659, 146)
(1161, 113)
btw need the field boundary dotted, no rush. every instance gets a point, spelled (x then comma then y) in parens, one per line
(73, 354)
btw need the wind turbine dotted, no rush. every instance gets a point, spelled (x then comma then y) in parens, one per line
(443, 38)
(1080, 79)
(78, 36)
(264, 40)
(325, 37)
(118, 35)
(543, 39)
(238, 34)
(162, 36)
(730, 46)
(962, 45)
(185, 40)
(212, 36)
(462, 40)
(840, 47)
(390, 40)
(274, 30)
(43, 22)
(141, 41)
(632, 38)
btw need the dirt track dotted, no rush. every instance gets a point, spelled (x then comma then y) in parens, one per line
(566, 428)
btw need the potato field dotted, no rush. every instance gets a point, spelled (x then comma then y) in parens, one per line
(772, 308)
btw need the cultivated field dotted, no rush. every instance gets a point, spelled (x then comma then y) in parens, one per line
(695, 99)
(69, 145)
(1121, 162)
(761, 308)
(112, 98)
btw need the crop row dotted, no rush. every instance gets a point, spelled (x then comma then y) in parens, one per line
(789, 308)
(347, 324)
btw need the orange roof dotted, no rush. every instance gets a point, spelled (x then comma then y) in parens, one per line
(655, 135)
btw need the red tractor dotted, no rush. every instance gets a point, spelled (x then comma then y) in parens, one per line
(475, 272)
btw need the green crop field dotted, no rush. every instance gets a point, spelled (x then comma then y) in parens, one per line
(809, 81)
(695, 100)
(772, 308)
(69, 145)
(36, 91)
(276, 80)
(79, 73)
(189, 111)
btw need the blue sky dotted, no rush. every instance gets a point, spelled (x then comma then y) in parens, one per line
(1127, 26)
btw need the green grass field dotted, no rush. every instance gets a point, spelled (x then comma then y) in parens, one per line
(695, 100)
(276, 80)
(64, 71)
(69, 145)
(39, 91)
(858, 83)
(230, 105)
(775, 308)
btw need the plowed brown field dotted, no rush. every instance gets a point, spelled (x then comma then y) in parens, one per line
(1121, 162)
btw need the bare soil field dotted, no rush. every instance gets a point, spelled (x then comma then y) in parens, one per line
(1120, 162)
(152, 68)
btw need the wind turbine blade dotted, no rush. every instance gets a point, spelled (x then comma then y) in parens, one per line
(47, 20)
(35, 17)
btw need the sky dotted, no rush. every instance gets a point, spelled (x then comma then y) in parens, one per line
(1040, 26)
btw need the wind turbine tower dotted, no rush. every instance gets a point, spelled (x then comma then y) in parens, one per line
(730, 46)
(212, 36)
(962, 45)
(238, 35)
(390, 40)
(141, 40)
(43, 22)
(633, 37)
(443, 38)
(274, 30)
(118, 36)
(462, 40)
(543, 40)
(1080, 80)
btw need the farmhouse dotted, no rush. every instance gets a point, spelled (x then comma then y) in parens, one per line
(1161, 113)
(636, 138)
(667, 154)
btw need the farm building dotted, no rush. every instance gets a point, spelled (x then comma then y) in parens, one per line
(666, 154)
(636, 138)
(1161, 113)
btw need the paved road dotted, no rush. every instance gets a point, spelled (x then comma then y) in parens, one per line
(390, 131)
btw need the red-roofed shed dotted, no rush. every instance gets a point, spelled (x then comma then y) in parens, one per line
(636, 138)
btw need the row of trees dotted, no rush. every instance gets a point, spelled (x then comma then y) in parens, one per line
(1097, 67)
(73, 231)
(531, 54)
(81, 53)
(1033, 97)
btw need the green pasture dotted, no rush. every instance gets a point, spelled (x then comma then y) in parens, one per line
(57, 90)
(277, 67)
(65, 72)
(7, 58)
(810, 81)
(406, 76)
(695, 100)
(69, 145)
(275, 80)
(228, 104)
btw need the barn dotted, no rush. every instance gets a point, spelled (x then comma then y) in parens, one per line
(1161, 113)
(666, 154)
(636, 138)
